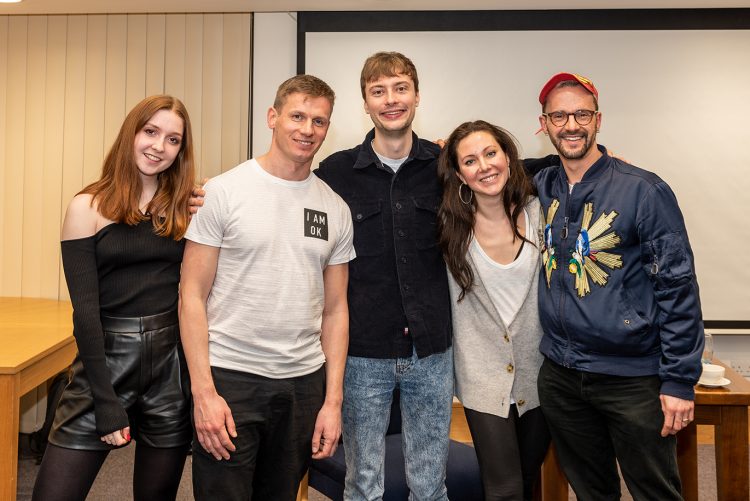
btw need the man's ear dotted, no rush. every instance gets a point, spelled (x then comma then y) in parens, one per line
(542, 125)
(271, 117)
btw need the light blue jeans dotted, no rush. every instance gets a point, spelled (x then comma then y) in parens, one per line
(426, 387)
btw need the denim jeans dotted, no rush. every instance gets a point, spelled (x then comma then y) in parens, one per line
(426, 387)
(597, 420)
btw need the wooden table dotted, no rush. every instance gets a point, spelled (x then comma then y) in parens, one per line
(37, 342)
(726, 409)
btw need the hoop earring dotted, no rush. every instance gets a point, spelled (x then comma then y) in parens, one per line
(460, 197)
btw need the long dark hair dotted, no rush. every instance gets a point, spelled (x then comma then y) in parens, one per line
(455, 218)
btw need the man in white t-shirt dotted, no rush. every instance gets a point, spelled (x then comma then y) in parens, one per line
(264, 316)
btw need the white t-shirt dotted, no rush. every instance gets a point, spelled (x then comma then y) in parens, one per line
(276, 238)
(503, 281)
(393, 163)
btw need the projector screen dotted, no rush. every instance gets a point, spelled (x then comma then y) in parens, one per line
(673, 101)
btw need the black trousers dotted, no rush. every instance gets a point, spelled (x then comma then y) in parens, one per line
(510, 451)
(275, 419)
(598, 420)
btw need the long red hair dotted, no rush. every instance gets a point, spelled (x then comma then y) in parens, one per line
(117, 192)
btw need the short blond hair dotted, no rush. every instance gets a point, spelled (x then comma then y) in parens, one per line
(304, 84)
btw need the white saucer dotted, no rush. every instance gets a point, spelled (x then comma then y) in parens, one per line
(722, 382)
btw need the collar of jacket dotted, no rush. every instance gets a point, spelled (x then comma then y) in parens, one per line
(368, 157)
(594, 172)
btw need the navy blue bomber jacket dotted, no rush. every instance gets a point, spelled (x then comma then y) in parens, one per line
(618, 293)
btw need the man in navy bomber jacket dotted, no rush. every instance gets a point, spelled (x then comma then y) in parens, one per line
(619, 304)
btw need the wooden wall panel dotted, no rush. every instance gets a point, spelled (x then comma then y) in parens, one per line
(231, 83)
(194, 82)
(52, 173)
(236, 82)
(93, 125)
(15, 127)
(115, 77)
(31, 203)
(67, 82)
(174, 57)
(212, 98)
(75, 117)
(136, 70)
(246, 42)
(155, 54)
(3, 143)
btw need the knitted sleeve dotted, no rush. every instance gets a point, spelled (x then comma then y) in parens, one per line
(79, 263)
(534, 165)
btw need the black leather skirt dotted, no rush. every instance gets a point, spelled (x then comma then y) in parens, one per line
(149, 375)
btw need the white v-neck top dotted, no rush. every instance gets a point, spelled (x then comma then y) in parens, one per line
(504, 282)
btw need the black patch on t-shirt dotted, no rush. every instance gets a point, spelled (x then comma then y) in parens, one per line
(316, 224)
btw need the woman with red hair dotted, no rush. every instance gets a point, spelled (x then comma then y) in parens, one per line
(122, 243)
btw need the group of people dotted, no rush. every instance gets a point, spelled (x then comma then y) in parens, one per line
(555, 297)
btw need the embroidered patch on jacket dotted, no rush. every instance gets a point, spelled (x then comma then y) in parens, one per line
(316, 224)
(545, 236)
(589, 253)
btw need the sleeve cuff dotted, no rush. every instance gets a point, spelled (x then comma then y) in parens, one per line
(678, 389)
(110, 417)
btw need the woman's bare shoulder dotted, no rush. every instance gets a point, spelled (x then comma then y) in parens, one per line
(82, 219)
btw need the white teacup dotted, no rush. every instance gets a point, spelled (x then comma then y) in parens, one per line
(712, 374)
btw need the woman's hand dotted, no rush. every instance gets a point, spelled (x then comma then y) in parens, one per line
(117, 438)
(195, 202)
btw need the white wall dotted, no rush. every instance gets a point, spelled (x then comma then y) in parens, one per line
(673, 102)
(672, 76)
(274, 60)
(735, 351)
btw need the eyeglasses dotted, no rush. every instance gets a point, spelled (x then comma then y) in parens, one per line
(560, 118)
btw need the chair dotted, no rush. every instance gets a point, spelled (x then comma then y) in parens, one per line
(462, 479)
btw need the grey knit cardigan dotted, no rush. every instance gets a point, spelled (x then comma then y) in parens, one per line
(492, 360)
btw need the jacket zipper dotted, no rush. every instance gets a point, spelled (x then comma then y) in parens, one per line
(655, 262)
(561, 278)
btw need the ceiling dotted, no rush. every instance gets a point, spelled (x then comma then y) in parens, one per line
(120, 6)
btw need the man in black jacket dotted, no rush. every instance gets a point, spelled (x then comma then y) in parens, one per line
(399, 307)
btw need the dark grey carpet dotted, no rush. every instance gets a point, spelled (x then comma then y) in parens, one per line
(113, 482)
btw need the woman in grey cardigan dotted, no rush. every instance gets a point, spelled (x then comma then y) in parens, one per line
(489, 233)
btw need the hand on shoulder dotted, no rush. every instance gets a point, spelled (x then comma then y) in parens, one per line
(195, 201)
(82, 219)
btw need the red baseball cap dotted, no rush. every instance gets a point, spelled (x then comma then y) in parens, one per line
(564, 77)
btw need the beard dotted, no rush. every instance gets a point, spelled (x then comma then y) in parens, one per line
(574, 154)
